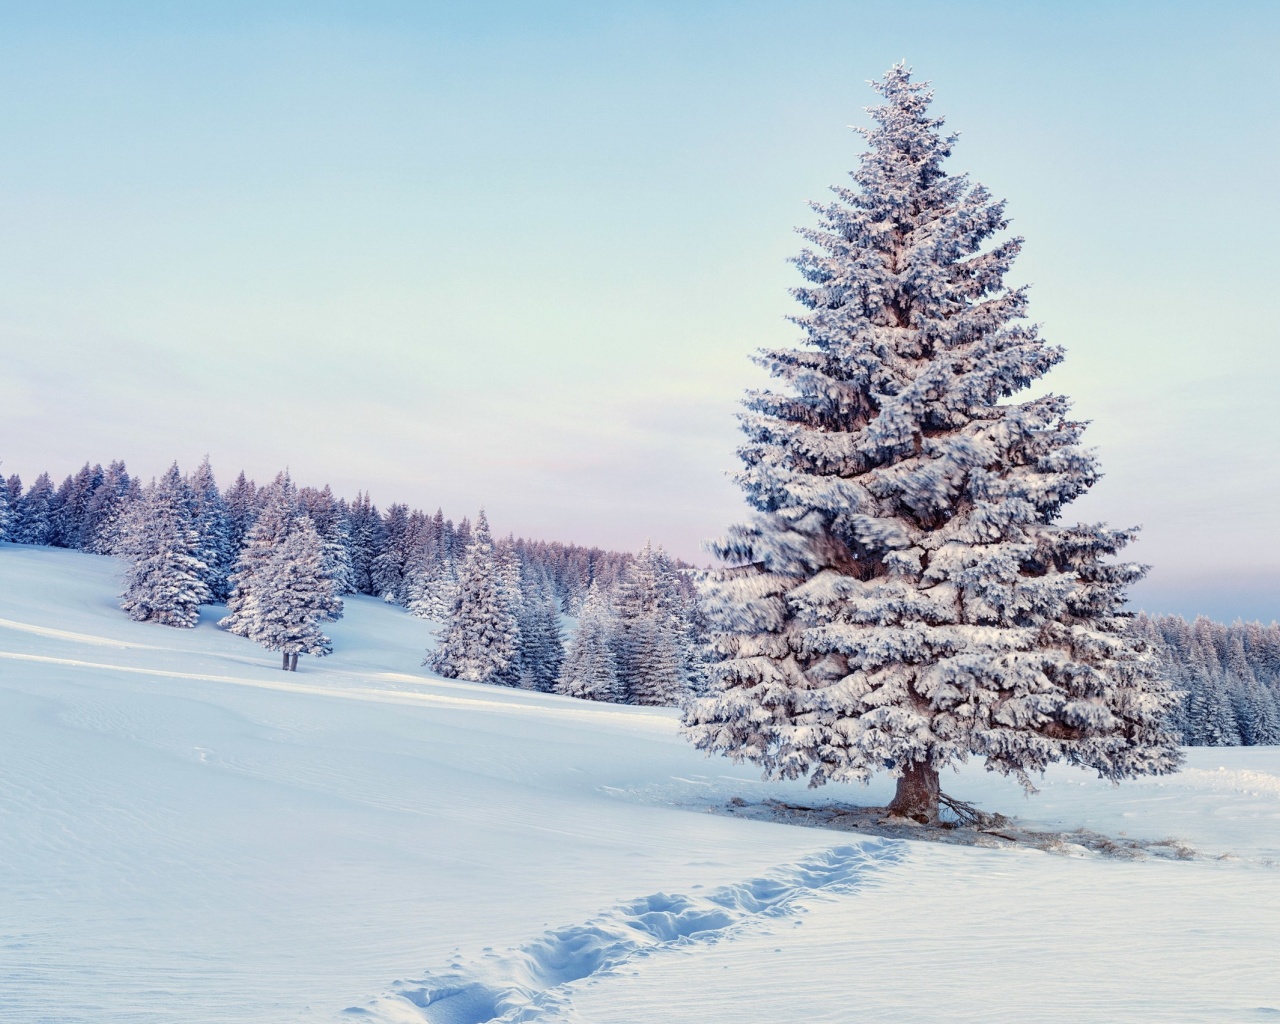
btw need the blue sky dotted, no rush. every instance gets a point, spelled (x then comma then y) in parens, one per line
(517, 254)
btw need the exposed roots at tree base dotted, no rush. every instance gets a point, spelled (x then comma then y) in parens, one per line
(970, 827)
(967, 814)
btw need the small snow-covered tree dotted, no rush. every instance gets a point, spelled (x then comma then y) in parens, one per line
(329, 516)
(590, 671)
(480, 640)
(1256, 714)
(367, 534)
(275, 520)
(290, 595)
(13, 491)
(34, 521)
(164, 579)
(1213, 714)
(336, 544)
(106, 509)
(650, 641)
(72, 505)
(660, 675)
(905, 597)
(213, 524)
(6, 514)
(541, 642)
(434, 592)
(241, 503)
(387, 571)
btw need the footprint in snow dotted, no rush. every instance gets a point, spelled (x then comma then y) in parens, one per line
(531, 982)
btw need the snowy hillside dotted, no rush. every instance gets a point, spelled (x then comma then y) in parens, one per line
(189, 834)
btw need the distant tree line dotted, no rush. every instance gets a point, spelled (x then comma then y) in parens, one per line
(282, 557)
(635, 642)
(405, 556)
(1229, 677)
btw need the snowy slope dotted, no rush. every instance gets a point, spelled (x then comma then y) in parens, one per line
(189, 834)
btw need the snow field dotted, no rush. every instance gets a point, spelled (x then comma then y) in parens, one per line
(532, 982)
(189, 834)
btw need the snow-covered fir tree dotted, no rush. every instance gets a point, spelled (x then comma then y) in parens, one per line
(71, 507)
(241, 502)
(164, 578)
(329, 516)
(905, 596)
(661, 676)
(434, 593)
(13, 495)
(387, 571)
(106, 508)
(428, 554)
(541, 640)
(590, 671)
(461, 539)
(33, 521)
(336, 550)
(480, 640)
(506, 562)
(6, 514)
(290, 594)
(1257, 714)
(1211, 710)
(367, 533)
(213, 524)
(1228, 678)
(650, 642)
(276, 518)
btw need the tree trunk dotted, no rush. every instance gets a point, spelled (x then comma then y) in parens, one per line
(284, 661)
(917, 795)
(293, 662)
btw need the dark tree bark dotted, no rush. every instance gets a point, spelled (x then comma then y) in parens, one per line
(918, 793)
(293, 662)
(284, 661)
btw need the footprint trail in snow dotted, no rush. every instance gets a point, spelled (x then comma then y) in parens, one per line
(533, 982)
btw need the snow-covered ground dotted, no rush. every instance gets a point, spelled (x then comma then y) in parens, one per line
(188, 834)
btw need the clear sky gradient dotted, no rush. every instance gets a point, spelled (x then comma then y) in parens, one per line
(518, 254)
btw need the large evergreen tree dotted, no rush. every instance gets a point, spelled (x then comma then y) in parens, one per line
(905, 596)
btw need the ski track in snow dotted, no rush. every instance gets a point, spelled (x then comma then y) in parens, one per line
(80, 638)
(358, 693)
(535, 982)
